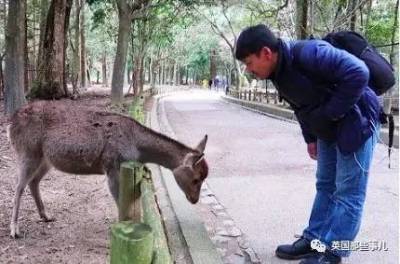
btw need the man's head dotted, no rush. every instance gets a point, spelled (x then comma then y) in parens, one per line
(257, 48)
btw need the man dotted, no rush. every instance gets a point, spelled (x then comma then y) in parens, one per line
(339, 117)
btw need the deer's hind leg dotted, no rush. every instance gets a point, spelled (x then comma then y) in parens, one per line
(27, 169)
(34, 187)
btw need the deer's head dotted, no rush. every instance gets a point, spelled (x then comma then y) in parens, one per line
(192, 172)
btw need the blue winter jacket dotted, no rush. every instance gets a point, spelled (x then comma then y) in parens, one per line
(328, 90)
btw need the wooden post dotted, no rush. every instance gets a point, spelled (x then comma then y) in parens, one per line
(129, 206)
(126, 192)
(131, 243)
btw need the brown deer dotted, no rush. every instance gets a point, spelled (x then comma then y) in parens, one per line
(79, 140)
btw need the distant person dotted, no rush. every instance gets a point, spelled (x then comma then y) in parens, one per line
(339, 117)
(210, 82)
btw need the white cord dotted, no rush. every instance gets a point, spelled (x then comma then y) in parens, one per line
(375, 131)
(359, 165)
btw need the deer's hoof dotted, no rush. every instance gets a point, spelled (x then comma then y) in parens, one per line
(14, 233)
(46, 219)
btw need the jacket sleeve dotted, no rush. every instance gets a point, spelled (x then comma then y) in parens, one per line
(307, 134)
(348, 74)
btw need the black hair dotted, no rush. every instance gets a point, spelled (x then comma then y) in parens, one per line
(253, 39)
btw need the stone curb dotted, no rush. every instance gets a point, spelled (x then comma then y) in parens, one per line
(200, 248)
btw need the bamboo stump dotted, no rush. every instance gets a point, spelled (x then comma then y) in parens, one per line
(131, 243)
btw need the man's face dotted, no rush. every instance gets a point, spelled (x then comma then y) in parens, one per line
(261, 64)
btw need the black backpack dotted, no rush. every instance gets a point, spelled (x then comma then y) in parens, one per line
(381, 72)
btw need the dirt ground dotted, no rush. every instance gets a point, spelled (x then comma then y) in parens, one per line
(82, 206)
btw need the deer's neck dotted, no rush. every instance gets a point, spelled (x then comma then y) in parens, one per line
(156, 148)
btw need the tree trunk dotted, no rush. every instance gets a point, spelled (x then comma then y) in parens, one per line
(311, 19)
(393, 60)
(394, 30)
(365, 29)
(213, 66)
(150, 71)
(104, 69)
(153, 71)
(175, 73)
(15, 57)
(352, 14)
(117, 82)
(84, 83)
(187, 75)
(51, 83)
(76, 69)
(141, 74)
(301, 18)
(1, 76)
(44, 7)
(162, 75)
(26, 60)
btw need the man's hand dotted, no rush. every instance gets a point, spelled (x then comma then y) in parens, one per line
(312, 150)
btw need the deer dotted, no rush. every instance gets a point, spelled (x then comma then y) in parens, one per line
(81, 140)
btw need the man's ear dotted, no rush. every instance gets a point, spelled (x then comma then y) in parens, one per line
(266, 52)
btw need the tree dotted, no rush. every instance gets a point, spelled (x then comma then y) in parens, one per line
(44, 7)
(229, 38)
(2, 49)
(82, 44)
(15, 57)
(76, 75)
(126, 13)
(352, 14)
(50, 83)
(301, 18)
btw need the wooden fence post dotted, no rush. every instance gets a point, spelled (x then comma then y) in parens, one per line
(129, 192)
(131, 243)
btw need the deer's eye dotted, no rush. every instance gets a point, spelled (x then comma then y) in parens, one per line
(195, 182)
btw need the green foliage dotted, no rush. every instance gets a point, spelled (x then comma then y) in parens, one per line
(380, 27)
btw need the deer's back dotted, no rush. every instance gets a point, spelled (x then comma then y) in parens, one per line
(71, 137)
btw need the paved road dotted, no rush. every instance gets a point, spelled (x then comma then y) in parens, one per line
(260, 173)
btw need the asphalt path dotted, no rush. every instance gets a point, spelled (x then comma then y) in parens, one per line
(261, 173)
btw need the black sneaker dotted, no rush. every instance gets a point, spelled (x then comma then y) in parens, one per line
(300, 249)
(324, 258)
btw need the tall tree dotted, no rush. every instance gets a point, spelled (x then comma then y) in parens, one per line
(44, 7)
(2, 51)
(229, 38)
(352, 14)
(15, 57)
(51, 83)
(301, 18)
(75, 47)
(395, 29)
(1, 75)
(82, 44)
(126, 13)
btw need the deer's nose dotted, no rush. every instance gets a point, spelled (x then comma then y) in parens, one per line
(191, 199)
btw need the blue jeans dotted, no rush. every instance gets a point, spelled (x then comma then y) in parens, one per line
(341, 189)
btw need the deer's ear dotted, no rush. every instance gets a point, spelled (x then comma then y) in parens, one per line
(192, 159)
(202, 145)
